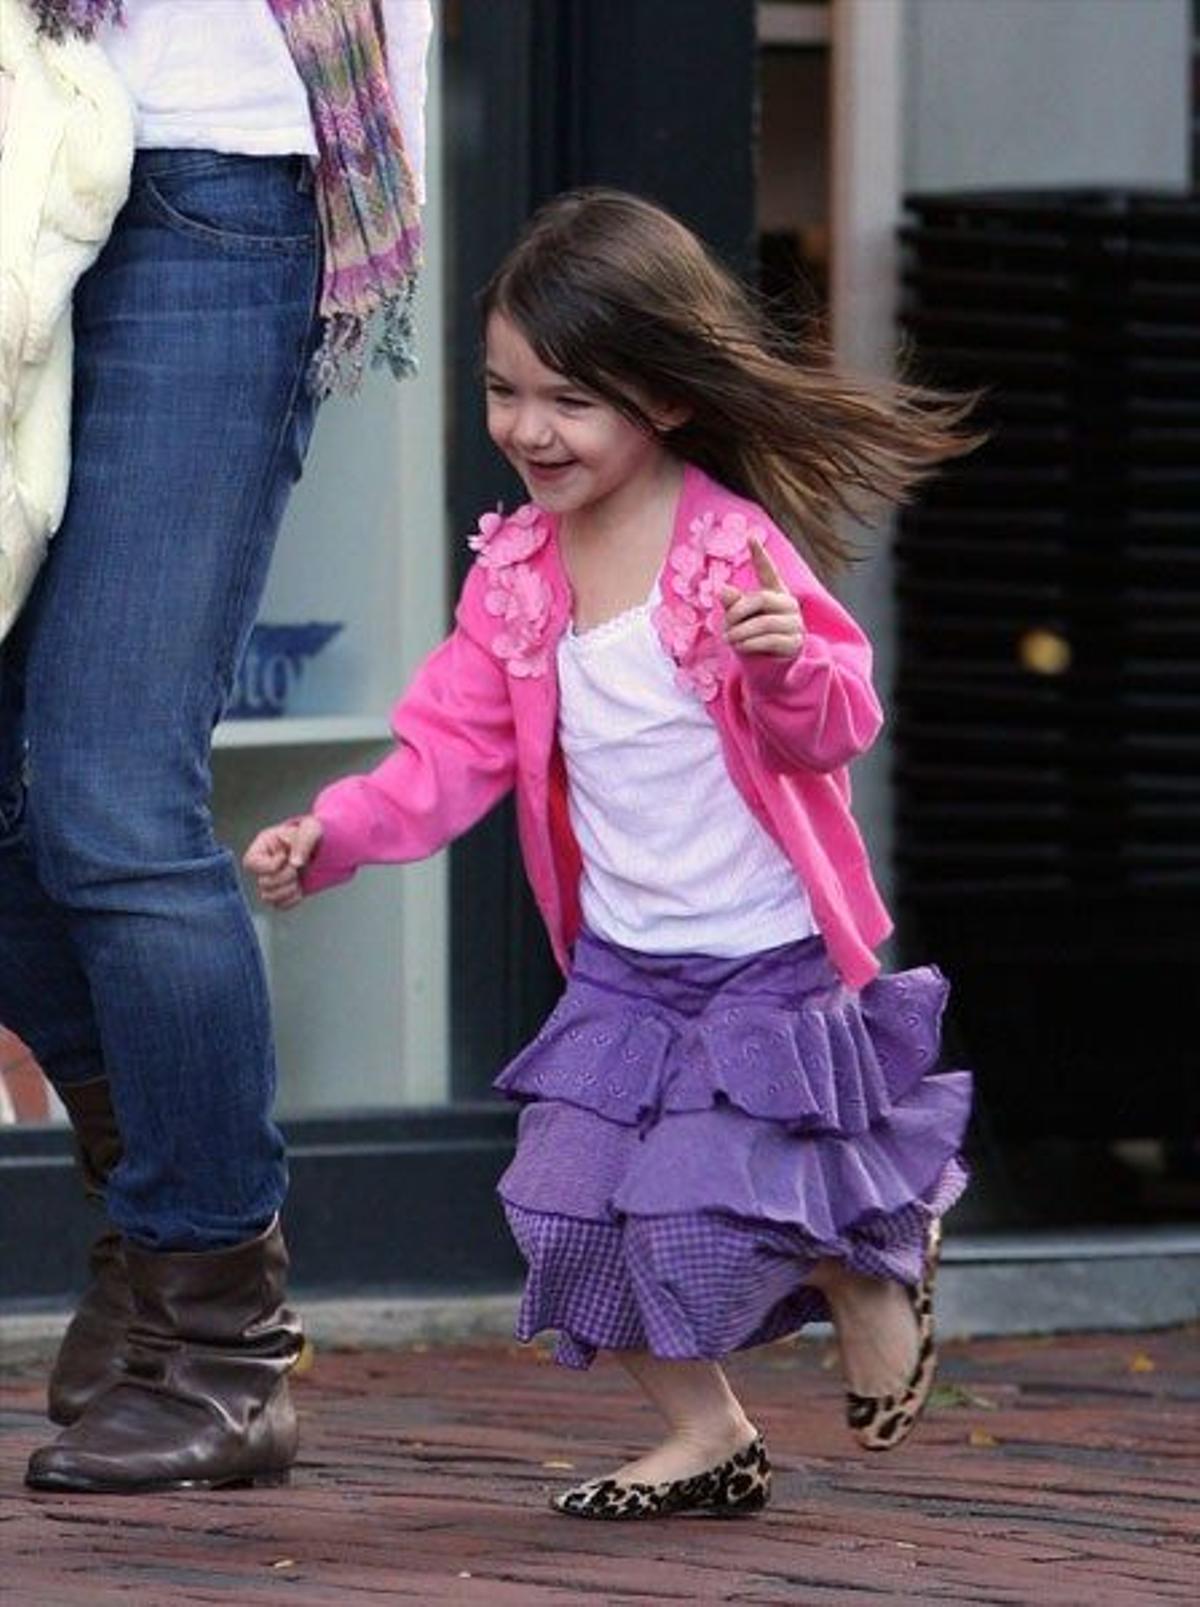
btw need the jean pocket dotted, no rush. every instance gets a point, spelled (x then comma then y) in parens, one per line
(245, 204)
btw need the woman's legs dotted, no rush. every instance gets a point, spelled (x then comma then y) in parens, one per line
(128, 951)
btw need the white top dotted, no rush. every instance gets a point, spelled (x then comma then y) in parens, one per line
(217, 75)
(673, 859)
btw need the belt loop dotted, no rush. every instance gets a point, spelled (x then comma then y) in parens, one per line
(304, 176)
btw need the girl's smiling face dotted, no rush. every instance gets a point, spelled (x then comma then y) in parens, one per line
(574, 451)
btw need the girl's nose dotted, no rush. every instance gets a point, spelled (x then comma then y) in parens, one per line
(532, 428)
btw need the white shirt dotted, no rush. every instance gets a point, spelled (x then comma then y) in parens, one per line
(673, 860)
(217, 75)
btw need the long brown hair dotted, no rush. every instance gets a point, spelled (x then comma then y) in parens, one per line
(620, 296)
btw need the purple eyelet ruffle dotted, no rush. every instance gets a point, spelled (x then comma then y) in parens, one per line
(836, 1062)
(687, 1116)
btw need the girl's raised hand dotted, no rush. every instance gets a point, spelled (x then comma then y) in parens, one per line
(277, 856)
(763, 621)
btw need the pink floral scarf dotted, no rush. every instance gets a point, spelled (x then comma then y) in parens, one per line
(366, 195)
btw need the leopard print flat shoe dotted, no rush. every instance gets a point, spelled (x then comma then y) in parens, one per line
(732, 1488)
(881, 1422)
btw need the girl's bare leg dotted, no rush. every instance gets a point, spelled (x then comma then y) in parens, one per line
(705, 1420)
(875, 1324)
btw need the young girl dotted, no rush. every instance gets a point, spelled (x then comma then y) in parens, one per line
(731, 1124)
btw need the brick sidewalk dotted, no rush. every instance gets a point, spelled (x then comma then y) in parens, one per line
(1061, 1471)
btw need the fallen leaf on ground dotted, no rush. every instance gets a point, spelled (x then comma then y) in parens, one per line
(981, 1438)
(949, 1395)
(1141, 1363)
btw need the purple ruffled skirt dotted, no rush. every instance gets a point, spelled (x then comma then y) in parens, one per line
(698, 1132)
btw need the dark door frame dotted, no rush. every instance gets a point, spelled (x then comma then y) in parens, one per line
(542, 96)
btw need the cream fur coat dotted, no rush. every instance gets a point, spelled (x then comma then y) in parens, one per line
(66, 147)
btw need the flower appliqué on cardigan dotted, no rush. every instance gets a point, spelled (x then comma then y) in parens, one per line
(690, 619)
(516, 595)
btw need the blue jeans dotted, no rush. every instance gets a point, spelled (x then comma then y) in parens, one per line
(126, 949)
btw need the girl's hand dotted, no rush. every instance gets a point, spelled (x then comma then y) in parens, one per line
(764, 621)
(277, 856)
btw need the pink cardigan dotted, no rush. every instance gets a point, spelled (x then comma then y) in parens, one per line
(480, 719)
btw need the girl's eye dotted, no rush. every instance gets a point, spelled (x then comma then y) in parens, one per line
(574, 404)
(495, 388)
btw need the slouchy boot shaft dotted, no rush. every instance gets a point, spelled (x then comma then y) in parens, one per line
(203, 1401)
(89, 1356)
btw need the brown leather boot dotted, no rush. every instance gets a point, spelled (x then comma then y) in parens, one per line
(89, 1356)
(203, 1401)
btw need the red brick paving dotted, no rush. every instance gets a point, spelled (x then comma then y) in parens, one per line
(1062, 1471)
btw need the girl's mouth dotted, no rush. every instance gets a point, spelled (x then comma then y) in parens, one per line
(548, 471)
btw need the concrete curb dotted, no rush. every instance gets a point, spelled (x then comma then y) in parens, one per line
(1070, 1283)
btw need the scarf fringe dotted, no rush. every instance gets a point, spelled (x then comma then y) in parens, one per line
(341, 359)
(56, 18)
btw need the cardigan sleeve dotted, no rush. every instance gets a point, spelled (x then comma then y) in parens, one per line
(455, 758)
(819, 710)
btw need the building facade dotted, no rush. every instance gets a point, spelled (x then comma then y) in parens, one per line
(787, 133)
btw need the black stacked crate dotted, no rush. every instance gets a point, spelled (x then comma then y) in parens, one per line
(1047, 710)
